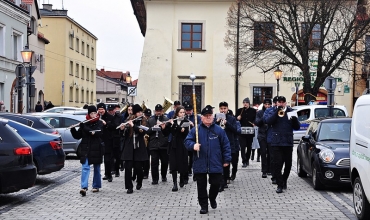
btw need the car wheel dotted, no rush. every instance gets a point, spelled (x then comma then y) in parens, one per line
(360, 202)
(317, 185)
(300, 171)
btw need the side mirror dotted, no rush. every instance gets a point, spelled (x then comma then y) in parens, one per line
(306, 138)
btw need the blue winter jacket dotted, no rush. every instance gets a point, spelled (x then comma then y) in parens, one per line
(214, 149)
(268, 129)
(281, 127)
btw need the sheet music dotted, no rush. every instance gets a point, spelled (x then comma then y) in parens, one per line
(143, 127)
(185, 124)
(290, 114)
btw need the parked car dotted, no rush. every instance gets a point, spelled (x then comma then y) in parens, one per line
(62, 108)
(323, 152)
(32, 121)
(74, 112)
(48, 154)
(61, 122)
(360, 157)
(306, 113)
(17, 170)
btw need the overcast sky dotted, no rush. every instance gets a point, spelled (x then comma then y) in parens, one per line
(120, 42)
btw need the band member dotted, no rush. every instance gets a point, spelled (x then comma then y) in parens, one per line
(214, 154)
(147, 115)
(189, 114)
(268, 139)
(172, 113)
(107, 138)
(158, 145)
(235, 151)
(262, 138)
(114, 110)
(134, 153)
(229, 125)
(178, 152)
(282, 140)
(91, 149)
(127, 113)
(246, 116)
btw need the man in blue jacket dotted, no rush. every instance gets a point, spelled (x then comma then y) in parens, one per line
(214, 154)
(281, 140)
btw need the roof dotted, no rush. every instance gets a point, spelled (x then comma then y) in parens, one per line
(115, 75)
(333, 119)
(41, 37)
(140, 12)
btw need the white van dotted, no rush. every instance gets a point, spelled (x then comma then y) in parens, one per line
(308, 112)
(360, 157)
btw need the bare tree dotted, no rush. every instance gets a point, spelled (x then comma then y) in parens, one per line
(288, 33)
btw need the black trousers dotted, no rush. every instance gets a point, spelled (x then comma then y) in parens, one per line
(246, 144)
(234, 162)
(147, 164)
(190, 161)
(116, 159)
(108, 160)
(272, 162)
(282, 156)
(138, 168)
(157, 155)
(214, 181)
(265, 156)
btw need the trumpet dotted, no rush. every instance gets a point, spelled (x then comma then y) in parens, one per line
(124, 124)
(281, 112)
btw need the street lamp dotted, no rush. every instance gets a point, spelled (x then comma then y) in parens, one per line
(128, 82)
(278, 74)
(27, 59)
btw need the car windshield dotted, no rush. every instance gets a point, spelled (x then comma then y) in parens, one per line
(335, 131)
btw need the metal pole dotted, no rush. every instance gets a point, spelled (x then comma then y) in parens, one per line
(277, 90)
(237, 60)
(20, 89)
(192, 78)
(29, 88)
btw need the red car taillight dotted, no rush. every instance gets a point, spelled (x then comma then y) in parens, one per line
(23, 151)
(55, 132)
(56, 145)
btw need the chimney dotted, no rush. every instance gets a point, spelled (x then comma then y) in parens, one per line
(102, 69)
(48, 7)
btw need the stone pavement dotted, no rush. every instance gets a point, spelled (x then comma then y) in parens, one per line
(56, 196)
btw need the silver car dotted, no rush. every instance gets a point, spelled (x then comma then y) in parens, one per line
(62, 122)
(63, 108)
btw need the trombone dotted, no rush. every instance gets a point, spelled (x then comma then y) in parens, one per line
(124, 124)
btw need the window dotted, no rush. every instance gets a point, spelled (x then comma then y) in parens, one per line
(303, 114)
(92, 76)
(87, 74)
(82, 72)
(82, 96)
(2, 40)
(70, 41)
(53, 121)
(264, 35)
(17, 45)
(69, 122)
(77, 70)
(187, 95)
(71, 68)
(87, 96)
(83, 48)
(77, 95)
(92, 53)
(71, 94)
(87, 50)
(261, 93)
(191, 36)
(92, 97)
(77, 45)
(313, 36)
(42, 63)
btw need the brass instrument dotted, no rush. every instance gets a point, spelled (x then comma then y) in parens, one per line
(143, 106)
(146, 139)
(125, 107)
(281, 112)
(166, 104)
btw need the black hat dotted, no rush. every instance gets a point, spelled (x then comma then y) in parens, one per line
(275, 99)
(207, 110)
(267, 101)
(281, 98)
(101, 105)
(136, 108)
(158, 107)
(91, 108)
(177, 103)
(230, 112)
(188, 107)
(185, 103)
(110, 107)
(148, 112)
(223, 104)
(247, 100)
(209, 106)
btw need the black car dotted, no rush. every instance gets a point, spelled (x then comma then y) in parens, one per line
(323, 152)
(31, 120)
(17, 170)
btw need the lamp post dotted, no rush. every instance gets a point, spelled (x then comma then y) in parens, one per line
(278, 74)
(27, 60)
(296, 93)
(128, 82)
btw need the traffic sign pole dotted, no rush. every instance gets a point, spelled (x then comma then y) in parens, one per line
(330, 85)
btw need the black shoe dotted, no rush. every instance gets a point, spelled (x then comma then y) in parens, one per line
(244, 165)
(269, 174)
(122, 169)
(138, 186)
(264, 175)
(110, 179)
(274, 182)
(203, 211)
(155, 182)
(83, 192)
(258, 160)
(105, 177)
(284, 185)
(233, 177)
(181, 184)
(117, 175)
(247, 163)
(175, 188)
(226, 186)
(194, 179)
(213, 204)
(279, 189)
(221, 189)
(112, 172)
(133, 178)
(186, 182)
(129, 191)
(164, 179)
(145, 177)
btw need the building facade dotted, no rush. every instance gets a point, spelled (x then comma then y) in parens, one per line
(184, 37)
(71, 78)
